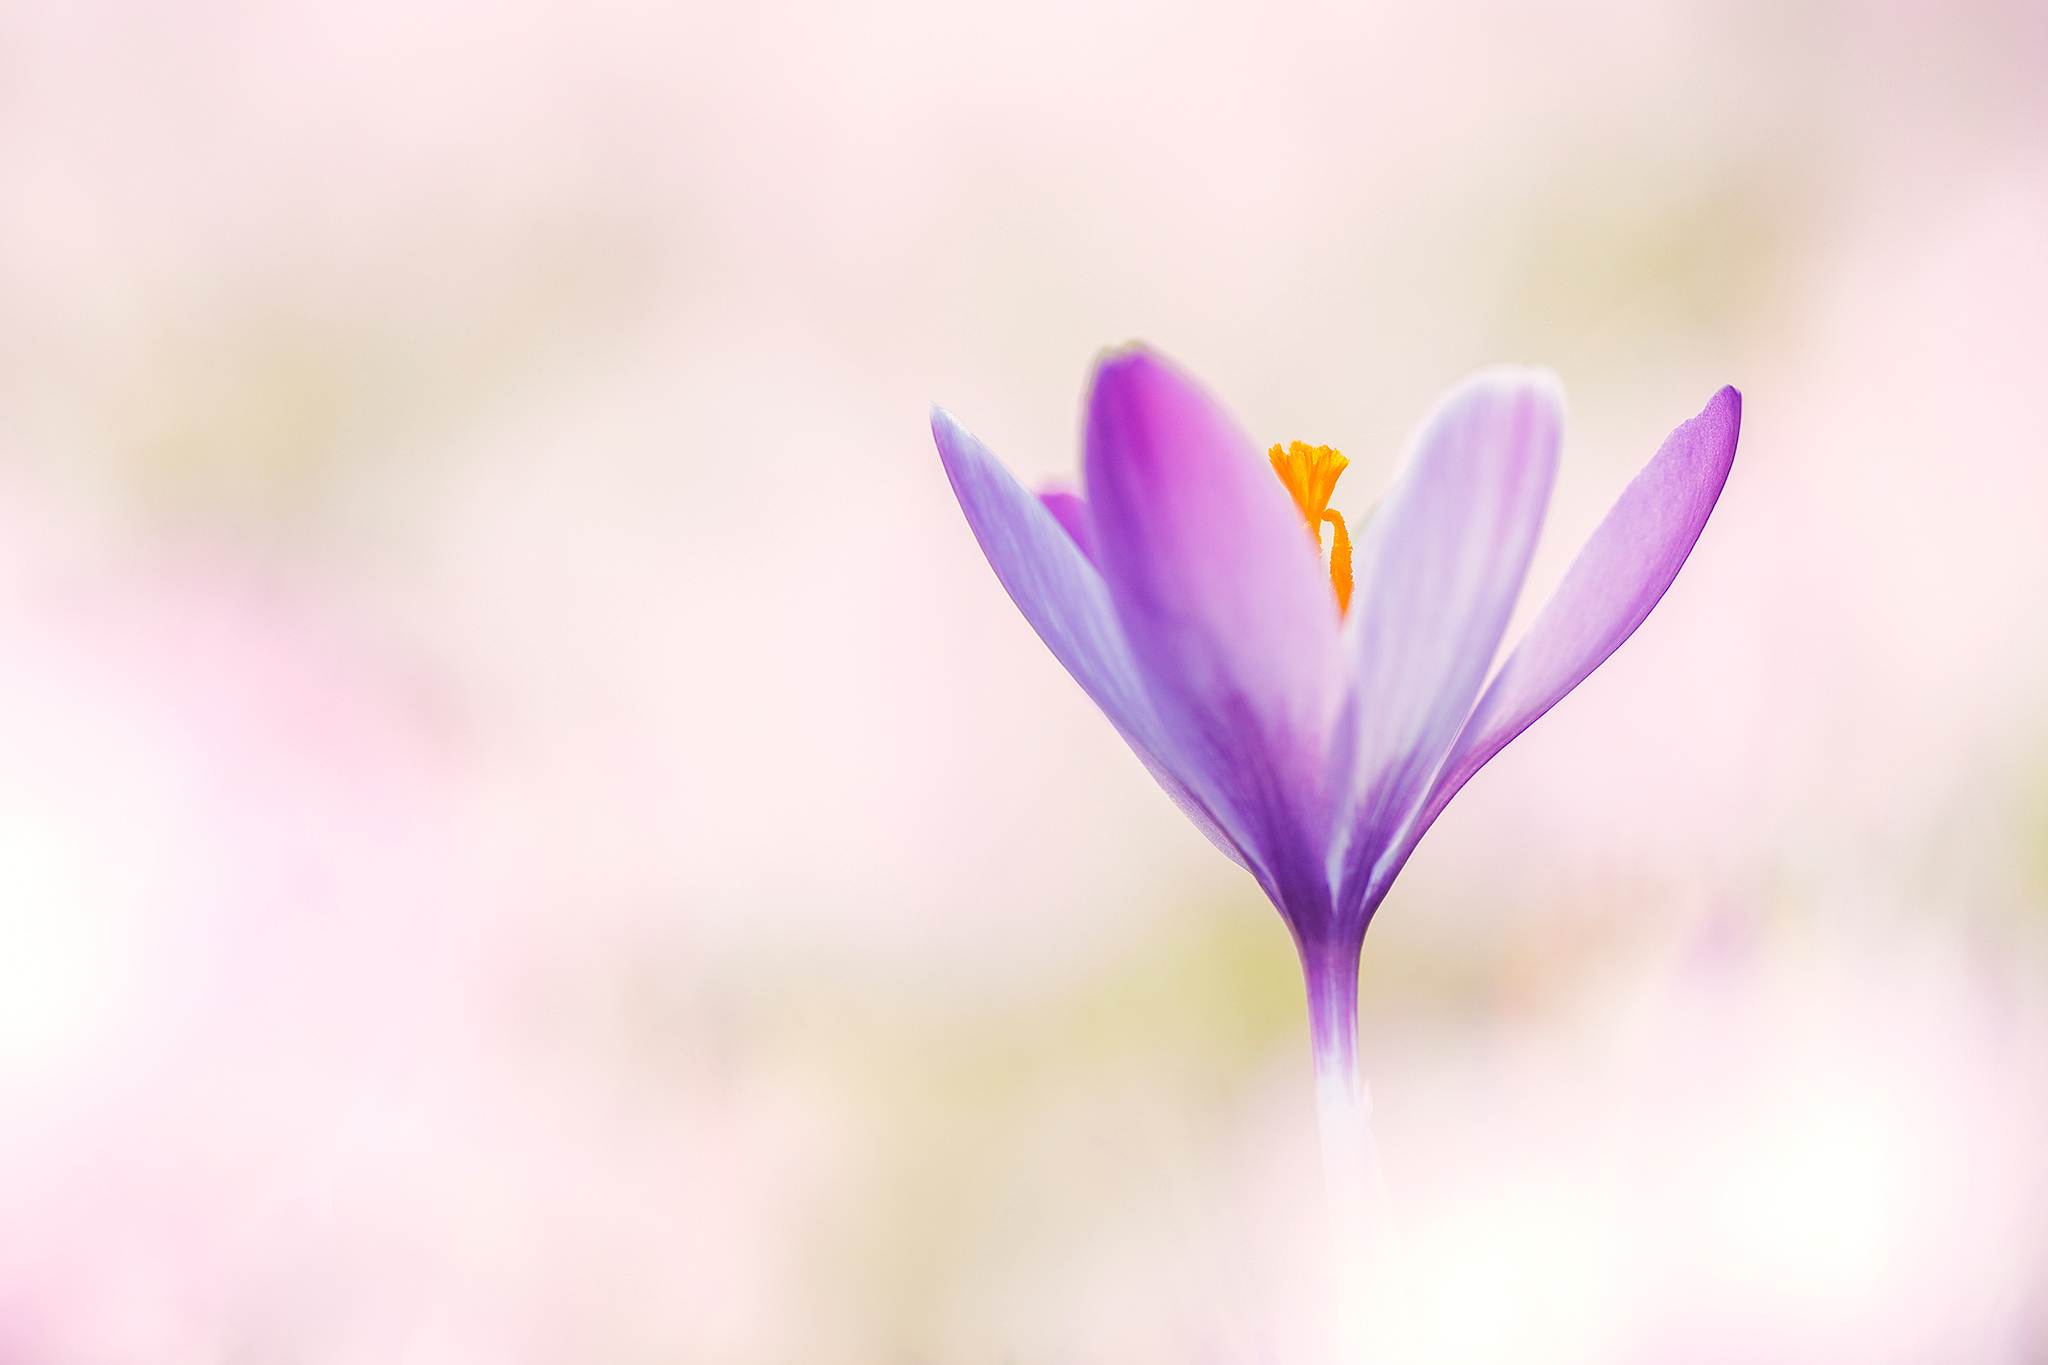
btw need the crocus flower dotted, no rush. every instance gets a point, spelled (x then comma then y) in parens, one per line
(1311, 731)
(1314, 721)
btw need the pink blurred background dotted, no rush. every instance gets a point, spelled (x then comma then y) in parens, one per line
(529, 834)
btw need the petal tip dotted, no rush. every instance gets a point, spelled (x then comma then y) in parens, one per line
(1537, 381)
(1719, 423)
(958, 448)
(1125, 353)
(1499, 388)
(1136, 373)
(1145, 405)
(1729, 402)
(1131, 365)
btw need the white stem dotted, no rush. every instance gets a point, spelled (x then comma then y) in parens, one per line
(1364, 1260)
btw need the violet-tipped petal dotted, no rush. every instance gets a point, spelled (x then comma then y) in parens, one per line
(1227, 613)
(1063, 597)
(1620, 574)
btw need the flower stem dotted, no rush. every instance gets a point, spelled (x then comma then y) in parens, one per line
(1363, 1262)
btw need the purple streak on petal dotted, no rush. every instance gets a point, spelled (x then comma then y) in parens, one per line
(1070, 509)
(1063, 598)
(1227, 612)
(1610, 588)
(1440, 565)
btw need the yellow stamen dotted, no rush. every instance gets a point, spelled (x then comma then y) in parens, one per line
(1340, 559)
(1310, 473)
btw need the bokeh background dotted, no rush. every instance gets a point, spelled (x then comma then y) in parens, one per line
(528, 833)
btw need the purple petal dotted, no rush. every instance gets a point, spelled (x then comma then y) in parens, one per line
(1070, 509)
(1618, 577)
(1064, 599)
(1440, 565)
(1234, 628)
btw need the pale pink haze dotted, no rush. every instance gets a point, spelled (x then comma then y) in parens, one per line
(504, 854)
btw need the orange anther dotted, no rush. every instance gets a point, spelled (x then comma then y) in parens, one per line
(1309, 474)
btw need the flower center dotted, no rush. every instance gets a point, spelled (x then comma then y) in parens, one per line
(1310, 474)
